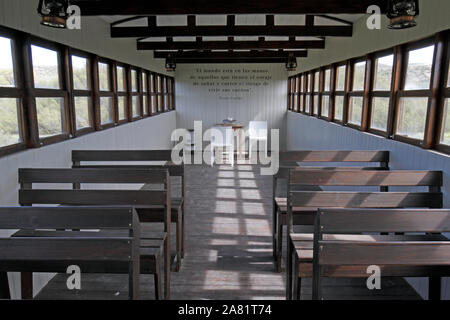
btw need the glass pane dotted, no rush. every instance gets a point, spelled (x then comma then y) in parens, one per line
(359, 76)
(307, 105)
(339, 108)
(9, 121)
(445, 135)
(50, 116)
(300, 104)
(152, 83)
(154, 101)
(418, 73)
(80, 73)
(325, 106)
(122, 108)
(121, 79)
(383, 73)
(327, 80)
(316, 81)
(316, 105)
(135, 101)
(45, 68)
(160, 103)
(82, 115)
(309, 82)
(295, 103)
(380, 111)
(146, 105)
(340, 78)
(7, 78)
(134, 86)
(159, 84)
(411, 117)
(355, 110)
(144, 82)
(103, 77)
(106, 110)
(448, 80)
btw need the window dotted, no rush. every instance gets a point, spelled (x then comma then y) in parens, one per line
(339, 93)
(106, 106)
(165, 93)
(381, 93)
(301, 96)
(122, 94)
(154, 100)
(135, 94)
(415, 94)
(315, 106)
(356, 95)
(82, 94)
(159, 93)
(290, 93)
(145, 99)
(309, 85)
(10, 98)
(325, 107)
(171, 93)
(50, 98)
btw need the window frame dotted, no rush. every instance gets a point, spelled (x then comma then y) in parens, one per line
(351, 93)
(104, 94)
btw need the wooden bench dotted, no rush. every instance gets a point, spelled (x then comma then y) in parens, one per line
(303, 205)
(363, 160)
(341, 251)
(54, 251)
(145, 202)
(86, 158)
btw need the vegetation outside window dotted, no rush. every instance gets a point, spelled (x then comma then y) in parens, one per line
(356, 95)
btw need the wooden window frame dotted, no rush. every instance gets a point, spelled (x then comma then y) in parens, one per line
(323, 93)
(137, 93)
(357, 94)
(108, 94)
(123, 94)
(145, 107)
(314, 93)
(340, 93)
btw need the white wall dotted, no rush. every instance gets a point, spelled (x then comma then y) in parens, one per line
(149, 133)
(309, 133)
(260, 103)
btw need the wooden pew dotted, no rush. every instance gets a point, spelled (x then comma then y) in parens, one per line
(87, 158)
(303, 205)
(94, 252)
(145, 202)
(341, 251)
(293, 159)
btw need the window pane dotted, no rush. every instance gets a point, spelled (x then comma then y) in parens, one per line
(160, 103)
(154, 101)
(103, 76)
(7, 78)
(380, 110)
(316, 104)
(359, 76)
(120, 79)
(300, 105)
(383, 73)
(45, 68)
(445, 135)
(418, 73)
(144, 82)
(82, 115)
(9, 121)
(340, 78)
(309, 82)
(325, 106)
(49, 114)
(355, 110)
(135, 101)
(339, 108)
(134, 81)
(295, 103)
(122, 108)
(146, 105)
(106, 110)
(448, 80)
(316, 81)
(307, 105)
(411, 117)
(80, 73)
(327, 80)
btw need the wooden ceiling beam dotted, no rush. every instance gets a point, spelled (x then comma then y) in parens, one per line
(145, 7)
(228, 55)
(230, 45)
(231, 60)
(189, 31)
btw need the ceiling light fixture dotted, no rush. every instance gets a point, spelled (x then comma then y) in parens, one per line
(291, 62)
(54, 13)
(171, 65)
(402, 13)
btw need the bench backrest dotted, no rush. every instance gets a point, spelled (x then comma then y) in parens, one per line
(56, 252)
(426, 250)
(362, 178)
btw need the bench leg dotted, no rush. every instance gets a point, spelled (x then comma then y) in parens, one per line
(4, 286)
(434, 288)
(167, 268)
(158, 280)
(183, 230)
(289, 269)
(178, 243)
(295, 278)
(279, 243)
(27, 285)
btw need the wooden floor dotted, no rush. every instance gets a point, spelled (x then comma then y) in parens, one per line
(229, 248)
